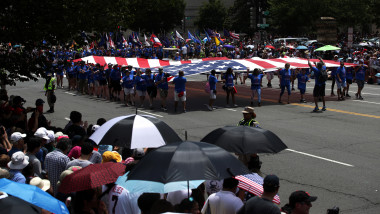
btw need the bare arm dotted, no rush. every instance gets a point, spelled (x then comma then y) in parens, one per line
(321, 60)
(308, 62)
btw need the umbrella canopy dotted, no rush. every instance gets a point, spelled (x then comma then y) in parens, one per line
(328, 48)
(270, 47)
(228, 46)
(14, 205)
(253, 183)
(135, 186)
(187, 161)
(250, 46)
(301, 47)
(135, 131)
(33, 195)
(92, 176)
(245, 140)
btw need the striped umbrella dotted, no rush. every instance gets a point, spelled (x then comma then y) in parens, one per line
(135, 131)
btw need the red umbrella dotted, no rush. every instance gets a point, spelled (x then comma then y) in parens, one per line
(92, 176)
(270, 46)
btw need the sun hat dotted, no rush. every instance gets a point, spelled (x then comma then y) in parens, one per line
(18, 161)
(40, 183)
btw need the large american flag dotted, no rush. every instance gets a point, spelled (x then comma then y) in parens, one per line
(253, 183)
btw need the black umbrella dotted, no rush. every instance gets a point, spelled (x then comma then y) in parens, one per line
(10, 204)
(184, 161)
(245, 140)
(135, 131)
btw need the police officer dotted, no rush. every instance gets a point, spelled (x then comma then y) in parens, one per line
(49, 88)
(249, 117)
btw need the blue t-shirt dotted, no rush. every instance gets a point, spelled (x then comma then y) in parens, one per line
(285, 76)
(17, 176)
(140, 83)
(164, 85)
(229, 80)
(180, 83)
(349, 74)
(255, 81)
(212, 82)
(302, 79)
(341, 71)
(316, 75)
(115, 74)
(128, 81)
(149, 79)
(82, 75)
(360, 74)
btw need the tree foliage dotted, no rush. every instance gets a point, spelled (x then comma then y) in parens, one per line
(238, 18)
(212, 14)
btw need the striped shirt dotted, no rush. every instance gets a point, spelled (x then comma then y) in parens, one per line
(55, 164)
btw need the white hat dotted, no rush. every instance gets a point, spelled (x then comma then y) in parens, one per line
(40, 183)
(18, 161)
(42, 133)
(58, 134)
(16, 136)
(51, 136)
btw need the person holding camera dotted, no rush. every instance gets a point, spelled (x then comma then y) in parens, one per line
(49, 88)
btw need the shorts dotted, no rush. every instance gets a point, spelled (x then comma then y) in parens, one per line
(339, 85)
(152, 91)
(115, 84)
(302, 90)
(96, 83)
(176, 98)
(360, 83)
(163, 93)
(102, 82)
(349, 81)
(319, 90)
(287, 88)
(212, 94)
(71, 76)
(91, 84)
(128, 91)
(141, 93)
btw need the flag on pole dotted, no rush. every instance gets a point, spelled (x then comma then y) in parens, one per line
(190, 36)
(208, 37)
(111, 44)
(146, 43)
(156, 42)
(234, 35)
(179, 36)
(136, 38)
(217, 36)
(125, 43)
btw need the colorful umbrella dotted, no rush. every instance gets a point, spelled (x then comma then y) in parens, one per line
(301, 47)
(270, 47)
(245, 140)
(228, 46)
(92, 176)
(33, 195)
(13, 205)
(328, 48)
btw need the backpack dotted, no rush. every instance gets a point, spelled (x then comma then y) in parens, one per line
(323, 76)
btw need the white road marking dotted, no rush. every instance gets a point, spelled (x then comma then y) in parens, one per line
(230, 109)
(157, 115)
(70, 93)
(322, 158)
(67, 118)
(366, 102)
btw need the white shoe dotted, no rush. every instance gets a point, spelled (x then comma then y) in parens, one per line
(209, 108)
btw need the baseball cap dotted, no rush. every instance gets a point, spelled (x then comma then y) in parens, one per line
(39, 102)
(248, 110)
(18, 99)
(18, 161)
(42, 133)
(51, 136)
(16, 136)
(271, 181)
(40, 183)
(300, 196)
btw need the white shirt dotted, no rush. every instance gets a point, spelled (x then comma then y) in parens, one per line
(223, 202)
(176, 197)
(184, 49)
(121, 201)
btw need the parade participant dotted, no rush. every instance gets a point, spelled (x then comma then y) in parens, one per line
(115, 77)
(285, 76)
(161, 82)
(302, 78)
(341, 80)
(49, 88)
(60, 72)
(360, 73)
(248, 117)
(333, 76)
(256, 81)
(128, 87)
(349, 76)
(140, 86)
(71, 76)
(180, 91)
(228, 80)
(150, 87)
(212, 80)
(82, 78)
(320, 83)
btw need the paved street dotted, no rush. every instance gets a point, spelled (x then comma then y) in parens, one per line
(333, 155)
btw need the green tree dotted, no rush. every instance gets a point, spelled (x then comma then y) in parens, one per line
(212, 15)
(156, 15)
(238, 17)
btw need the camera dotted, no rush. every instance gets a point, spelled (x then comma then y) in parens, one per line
(334, 210)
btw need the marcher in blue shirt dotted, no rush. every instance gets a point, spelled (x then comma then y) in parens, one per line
(82, 77)
(212, 80)
(140, 86)
(128, 87)
(333, 76)
(285, 76)
(302, 78)
(229, 87)
(349, 76)
(150, 86)
(256, 80)
(115, 77)
(319, 87)
(341, 80)
(180, 91)
(360, 73)
(161, 82)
